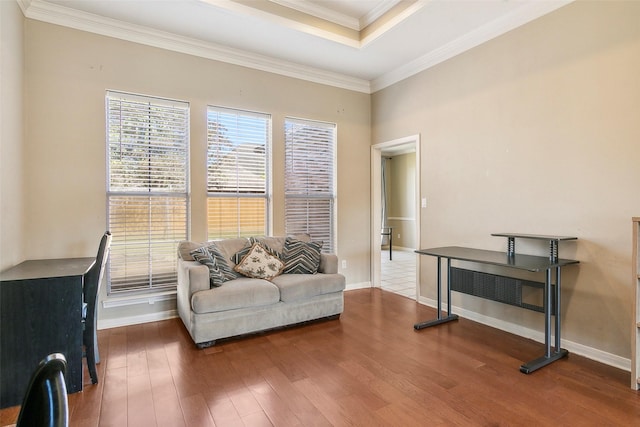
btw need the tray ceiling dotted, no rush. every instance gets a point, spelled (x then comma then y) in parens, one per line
(363, 45)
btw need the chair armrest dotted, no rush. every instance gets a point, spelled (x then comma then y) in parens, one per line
(328, 264)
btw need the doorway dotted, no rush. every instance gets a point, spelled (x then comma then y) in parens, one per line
(396, 270)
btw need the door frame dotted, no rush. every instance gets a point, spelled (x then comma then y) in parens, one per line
(377, 151)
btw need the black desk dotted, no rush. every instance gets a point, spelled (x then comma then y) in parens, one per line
(40, 314)
(511, 260)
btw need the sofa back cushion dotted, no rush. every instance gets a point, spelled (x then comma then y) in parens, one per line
(186, 247)
(226, 247)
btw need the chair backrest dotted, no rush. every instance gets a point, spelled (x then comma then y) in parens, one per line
(45, 403)
(93, 278)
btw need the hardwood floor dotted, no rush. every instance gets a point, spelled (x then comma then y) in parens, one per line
(369, 368)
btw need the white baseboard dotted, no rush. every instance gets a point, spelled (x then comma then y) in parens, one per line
(385, 249)
(361, 285)
(136, 320)
(573, 347)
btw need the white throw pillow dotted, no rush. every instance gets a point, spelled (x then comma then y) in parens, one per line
(259, 264)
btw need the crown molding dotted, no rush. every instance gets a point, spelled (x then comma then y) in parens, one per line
(24, 5)
(357, 24)
(482, 34)
(395, 20)
(358, 40)
(377, 12)
(294, 24)
(321, 12)
(59, 15)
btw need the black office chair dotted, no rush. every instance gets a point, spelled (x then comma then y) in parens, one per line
(90, 291)
(45, 403)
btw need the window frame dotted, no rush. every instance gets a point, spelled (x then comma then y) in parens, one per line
(309, 194)
(147, 266)
(246, 135)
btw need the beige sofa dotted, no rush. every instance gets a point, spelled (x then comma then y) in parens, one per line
(245, 305)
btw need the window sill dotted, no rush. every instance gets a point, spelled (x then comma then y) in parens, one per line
(112, 302)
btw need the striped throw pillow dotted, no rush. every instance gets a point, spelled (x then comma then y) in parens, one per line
(301, 257)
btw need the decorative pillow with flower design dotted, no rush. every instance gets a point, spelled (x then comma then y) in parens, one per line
(259, 264)
(238, 256)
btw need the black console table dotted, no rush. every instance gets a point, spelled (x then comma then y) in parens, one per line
(509, 259)
(40, 314)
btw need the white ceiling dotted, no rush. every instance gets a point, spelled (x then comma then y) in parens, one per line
(363, 45)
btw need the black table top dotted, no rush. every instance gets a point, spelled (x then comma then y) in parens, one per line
(534, 236)
(518, 261)
(44, 268)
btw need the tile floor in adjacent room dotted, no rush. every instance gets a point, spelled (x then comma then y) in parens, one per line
(399, 275)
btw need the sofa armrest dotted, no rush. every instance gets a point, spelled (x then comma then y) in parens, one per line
(328, 264)
(192, 277)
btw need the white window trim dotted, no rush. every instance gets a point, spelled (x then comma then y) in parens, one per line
(332, 247)
(151, 292)
(268, 195)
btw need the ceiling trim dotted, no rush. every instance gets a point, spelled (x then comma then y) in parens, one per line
(60, 15)
(313, 19)
(321, 12)
(482, 34)
(357, 24)
(394, 19)
(338, 34)
(377, 13)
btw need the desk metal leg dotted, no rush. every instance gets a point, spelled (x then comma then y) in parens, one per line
(439, 319)
(558, 352)
(558, 305)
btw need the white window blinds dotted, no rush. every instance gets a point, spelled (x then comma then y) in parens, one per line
(310, 191)
(147, 190)
(238, 160)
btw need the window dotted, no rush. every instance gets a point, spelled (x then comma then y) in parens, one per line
(238, 158)
(147, 190)
(310, 192)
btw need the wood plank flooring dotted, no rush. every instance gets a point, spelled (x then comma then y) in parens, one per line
(369, 368)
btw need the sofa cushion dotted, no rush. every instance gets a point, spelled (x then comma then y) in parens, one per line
(239, 293)
(299, 286)
(259, 263)
(301, 257)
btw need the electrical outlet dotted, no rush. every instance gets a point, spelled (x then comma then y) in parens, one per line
(398, 235)
(344, 263)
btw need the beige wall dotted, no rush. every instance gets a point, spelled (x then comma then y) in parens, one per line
(402, 203)
(536, 131)
(67, 73)
(11, 134)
